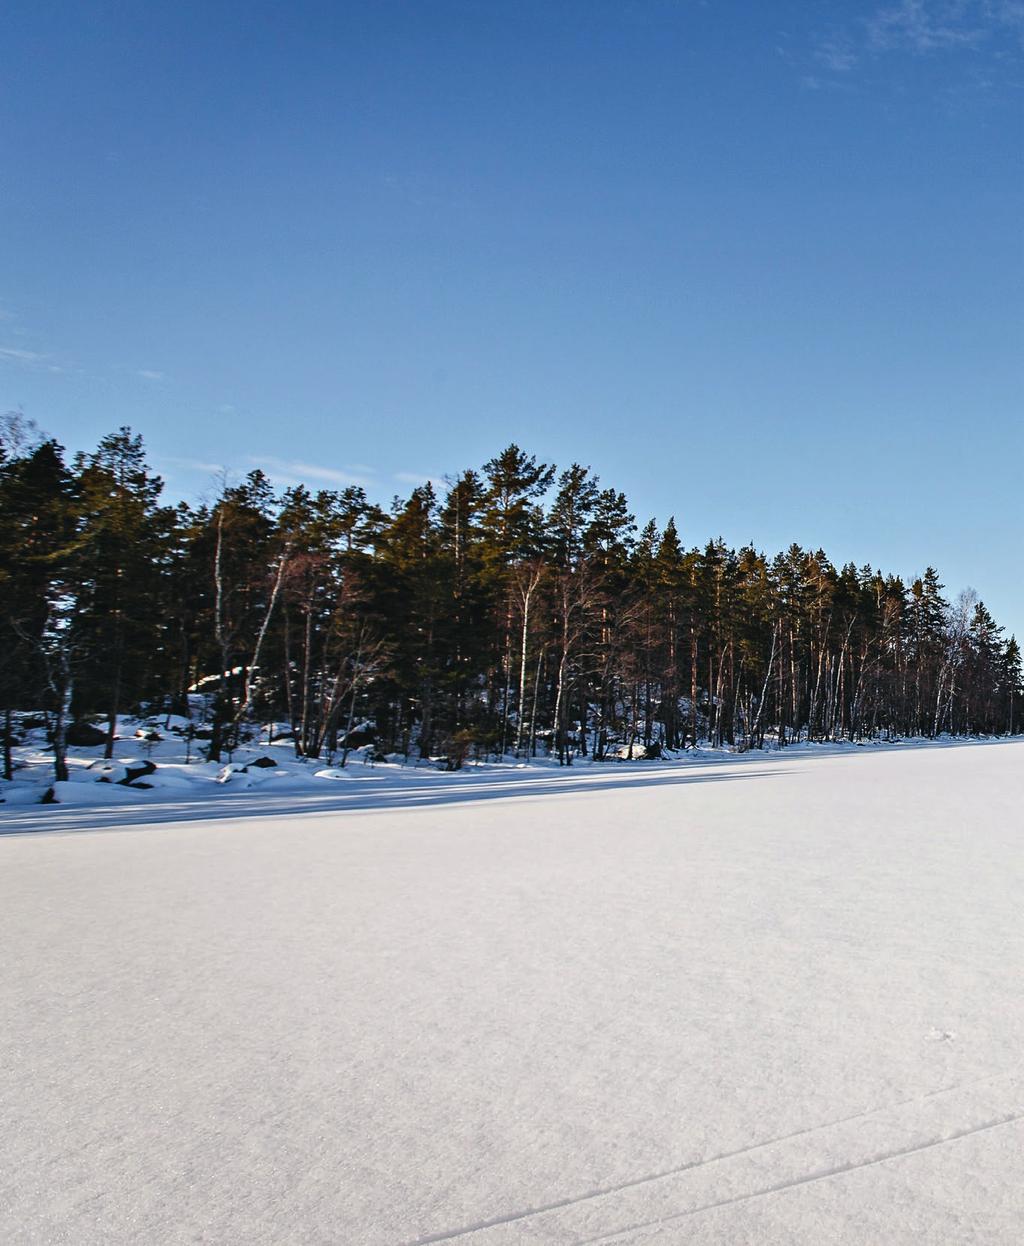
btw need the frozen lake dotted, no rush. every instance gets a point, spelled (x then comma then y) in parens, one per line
(775, 1000)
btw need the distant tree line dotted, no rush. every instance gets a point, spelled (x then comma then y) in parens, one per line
(520, 611)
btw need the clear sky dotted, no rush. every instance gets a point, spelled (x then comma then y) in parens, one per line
(759, 263)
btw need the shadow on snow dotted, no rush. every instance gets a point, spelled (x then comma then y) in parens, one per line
(382, 790)
(401, 792)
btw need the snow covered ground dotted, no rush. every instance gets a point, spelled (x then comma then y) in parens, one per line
(766, 999)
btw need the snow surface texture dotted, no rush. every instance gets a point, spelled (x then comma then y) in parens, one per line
(766, 1000)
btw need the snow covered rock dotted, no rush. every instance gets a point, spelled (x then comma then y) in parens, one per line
(122, 772)
(85, 735)
(14, 794)
(171, 782)
(245, 774)
(90, 794)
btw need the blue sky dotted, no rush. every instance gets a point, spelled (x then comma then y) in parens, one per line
(759, 264)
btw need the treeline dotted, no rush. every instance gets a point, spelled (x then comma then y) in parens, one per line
(521, 610)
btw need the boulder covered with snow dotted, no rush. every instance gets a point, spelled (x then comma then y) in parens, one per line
(90, 794)
(123, 772)
(20, 794)
(85, 735)
(245, 774)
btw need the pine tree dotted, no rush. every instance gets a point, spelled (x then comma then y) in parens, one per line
(38, 586)
(121, 628)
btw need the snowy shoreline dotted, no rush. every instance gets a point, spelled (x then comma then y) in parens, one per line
(151, 780)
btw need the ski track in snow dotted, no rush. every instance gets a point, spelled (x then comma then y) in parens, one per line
(616, 1006)
(826, 1174)
(448, 1235)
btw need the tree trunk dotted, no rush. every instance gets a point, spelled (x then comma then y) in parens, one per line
(60, 726)
(9, 763)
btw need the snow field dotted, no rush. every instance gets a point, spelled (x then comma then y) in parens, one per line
(773, 1000)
